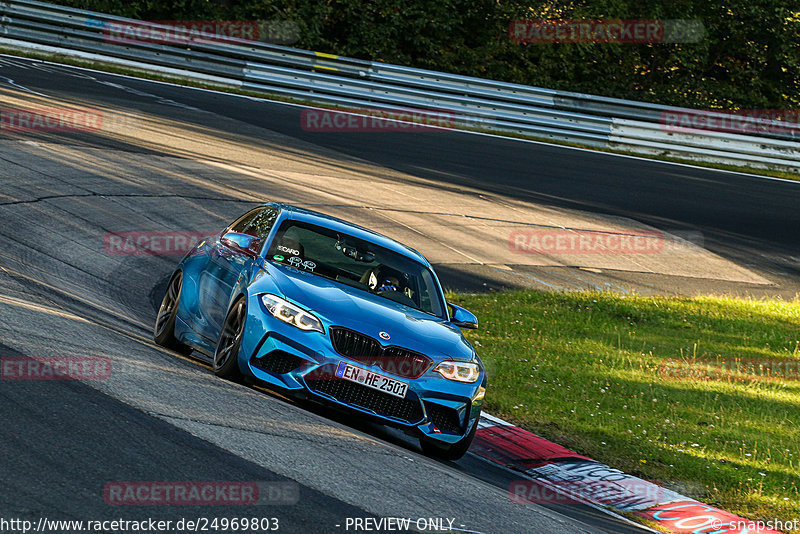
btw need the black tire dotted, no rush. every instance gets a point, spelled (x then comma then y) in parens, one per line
(451, 452)
(226, 355)
(164, 329)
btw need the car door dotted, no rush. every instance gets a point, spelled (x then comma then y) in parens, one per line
(228, 265)
(209, 292)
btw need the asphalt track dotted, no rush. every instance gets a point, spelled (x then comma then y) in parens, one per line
(161, 417)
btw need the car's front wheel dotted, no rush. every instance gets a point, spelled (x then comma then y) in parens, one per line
(226, 355)
(164, 329)
(449, 452)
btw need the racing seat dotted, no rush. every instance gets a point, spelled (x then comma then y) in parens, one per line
(388, 282)
(378, 275)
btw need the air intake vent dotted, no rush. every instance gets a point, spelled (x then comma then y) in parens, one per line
(278, 362)
(324, 381)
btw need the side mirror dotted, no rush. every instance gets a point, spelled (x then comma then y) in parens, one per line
(244, 243)
(462, 318)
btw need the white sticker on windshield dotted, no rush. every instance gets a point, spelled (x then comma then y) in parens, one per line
(298, 262)
(288, 250)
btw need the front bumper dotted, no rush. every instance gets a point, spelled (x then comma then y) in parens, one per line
(303, 363)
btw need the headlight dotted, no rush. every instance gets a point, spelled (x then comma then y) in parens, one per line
(289, 313)
(458, 371)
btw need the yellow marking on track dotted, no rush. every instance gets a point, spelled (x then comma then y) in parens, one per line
(190, 360)
(329, 56)
(41, 308)
(274, 393)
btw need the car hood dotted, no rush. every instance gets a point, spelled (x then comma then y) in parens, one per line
(337, 304)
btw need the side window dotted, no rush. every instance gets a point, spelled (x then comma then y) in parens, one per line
(261, 224)
(240, 225)
(429, 300)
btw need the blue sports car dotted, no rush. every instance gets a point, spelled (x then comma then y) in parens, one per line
(334, 313)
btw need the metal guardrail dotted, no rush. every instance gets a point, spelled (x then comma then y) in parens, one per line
(352, 83)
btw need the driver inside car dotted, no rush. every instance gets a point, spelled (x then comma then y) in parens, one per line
(381, 281)
(389, 284)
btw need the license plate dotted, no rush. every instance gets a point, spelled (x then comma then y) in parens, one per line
(371, 380)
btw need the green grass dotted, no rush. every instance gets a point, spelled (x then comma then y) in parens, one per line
(587, 370)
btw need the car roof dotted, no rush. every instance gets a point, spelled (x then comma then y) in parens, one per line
(297, 213)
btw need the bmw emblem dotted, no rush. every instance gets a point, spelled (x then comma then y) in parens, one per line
(385, 335)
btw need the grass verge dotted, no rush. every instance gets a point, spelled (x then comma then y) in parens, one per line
(667, 389)
(144, 74)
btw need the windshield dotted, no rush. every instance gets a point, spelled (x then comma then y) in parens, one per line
(356, 263)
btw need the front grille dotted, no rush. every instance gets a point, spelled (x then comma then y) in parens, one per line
(353, 344)
(323, 380)
(444, 418)
(367, 350)
(278, 362)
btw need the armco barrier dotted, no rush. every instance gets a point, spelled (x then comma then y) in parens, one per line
(352, 83)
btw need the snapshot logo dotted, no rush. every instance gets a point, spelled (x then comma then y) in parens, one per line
(597, 31)
(206, 493)
(185, 32)
(152, 243)
(50, 120)
(745, 122)
(770, 525)
(376, 120)
(55, 368)
(693, 516)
